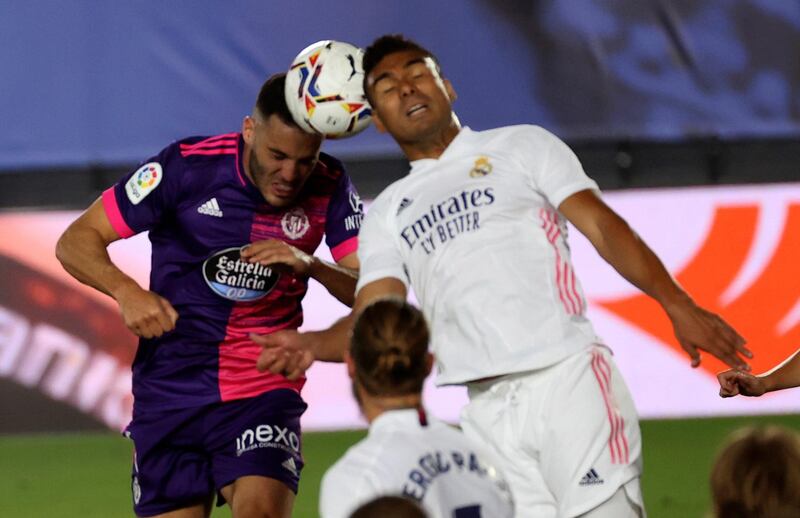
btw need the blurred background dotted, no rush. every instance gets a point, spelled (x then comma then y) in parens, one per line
(687, 113)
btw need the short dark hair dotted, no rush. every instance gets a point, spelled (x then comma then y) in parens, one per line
(389, 44)
(389, 348)
(390, 506)
(271, 99)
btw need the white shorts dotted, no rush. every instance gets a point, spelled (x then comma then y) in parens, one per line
(567, 436)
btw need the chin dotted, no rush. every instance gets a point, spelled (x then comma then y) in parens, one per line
(277, 201)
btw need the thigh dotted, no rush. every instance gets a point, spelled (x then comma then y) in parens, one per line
(496, 418)
(591, 442)
(257, 437)
(196, 511)
(255, 496)
(621, 504)
(170, 473)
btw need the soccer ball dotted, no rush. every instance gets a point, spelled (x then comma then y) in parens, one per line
(324, 90)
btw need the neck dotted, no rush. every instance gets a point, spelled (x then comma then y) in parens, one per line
(434, 146)
(246, 150)
(373, 406)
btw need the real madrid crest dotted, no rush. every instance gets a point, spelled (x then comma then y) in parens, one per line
(295, 223)
(482, 167)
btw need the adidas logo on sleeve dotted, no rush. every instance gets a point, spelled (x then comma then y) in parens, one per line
(210, 208)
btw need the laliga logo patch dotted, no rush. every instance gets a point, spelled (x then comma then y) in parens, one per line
(482, 167)
(295, 223)
(230, 277)
(143, 182)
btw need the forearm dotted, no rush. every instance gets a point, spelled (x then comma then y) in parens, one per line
(338, 280)
(786, 375)
(330, 344)
(627, 253)
(82, 252)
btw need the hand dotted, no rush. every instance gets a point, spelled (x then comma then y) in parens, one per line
(146, 313)
(734, 382)
(695, 328)
(271, 252)
(284, 352)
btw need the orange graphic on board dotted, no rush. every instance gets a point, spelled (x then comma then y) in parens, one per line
(757, 313)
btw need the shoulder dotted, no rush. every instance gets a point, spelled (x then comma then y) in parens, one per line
(328, 177)
(199, 153)
(515, 136)
(391, 195)
(203, 149)
(354, 467)
(329, 167)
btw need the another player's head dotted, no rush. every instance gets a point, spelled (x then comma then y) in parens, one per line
(409, 97)
(279, 156)
(388, 358)
(757, 474)
(389, 507)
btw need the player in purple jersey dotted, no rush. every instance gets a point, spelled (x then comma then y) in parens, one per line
(233, 220)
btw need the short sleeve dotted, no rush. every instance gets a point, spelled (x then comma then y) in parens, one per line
(377, 254)
(558, 174)
(139, 201)
(343, 220)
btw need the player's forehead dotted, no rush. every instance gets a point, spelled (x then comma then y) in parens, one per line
(290, 140)
(394, 64)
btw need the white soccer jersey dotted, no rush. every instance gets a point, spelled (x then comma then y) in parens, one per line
(421, 458)
(478, 235)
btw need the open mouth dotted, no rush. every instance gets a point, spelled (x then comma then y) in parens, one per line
(282, 191)
(415, 109)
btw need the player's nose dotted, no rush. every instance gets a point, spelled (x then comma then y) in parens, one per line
(290, 172)
(406, 88)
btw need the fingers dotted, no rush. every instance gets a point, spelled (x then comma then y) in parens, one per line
(291, 364)
(733, 339)
(171, 313)
(693, 353)
(727, 383)
(256, 252)
(304, 364)
(278, 254)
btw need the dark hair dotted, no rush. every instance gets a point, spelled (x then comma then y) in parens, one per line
(389, 44)
(271, 99)
(389, 507)
(388, 347)
(757, 474)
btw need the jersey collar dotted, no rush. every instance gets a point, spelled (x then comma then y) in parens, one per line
(390, 420)
(424, 164)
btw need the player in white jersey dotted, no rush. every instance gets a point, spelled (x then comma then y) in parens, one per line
(407, 452)
(478, 230)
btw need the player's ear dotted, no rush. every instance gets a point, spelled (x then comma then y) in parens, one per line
(428, 363)
(248, 129)
(451, 92)
(378, 122)
(351, 365)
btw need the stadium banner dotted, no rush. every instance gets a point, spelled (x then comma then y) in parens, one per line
(736, 249)
(115, 81)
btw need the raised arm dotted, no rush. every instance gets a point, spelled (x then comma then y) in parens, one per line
(291, 353)
(695, 328)
(82, 251)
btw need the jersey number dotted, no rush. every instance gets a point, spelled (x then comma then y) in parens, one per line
(470, 511)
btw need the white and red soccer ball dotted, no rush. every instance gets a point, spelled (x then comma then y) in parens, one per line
(324, 89)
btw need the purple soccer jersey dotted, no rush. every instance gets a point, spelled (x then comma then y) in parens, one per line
(200, 209)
